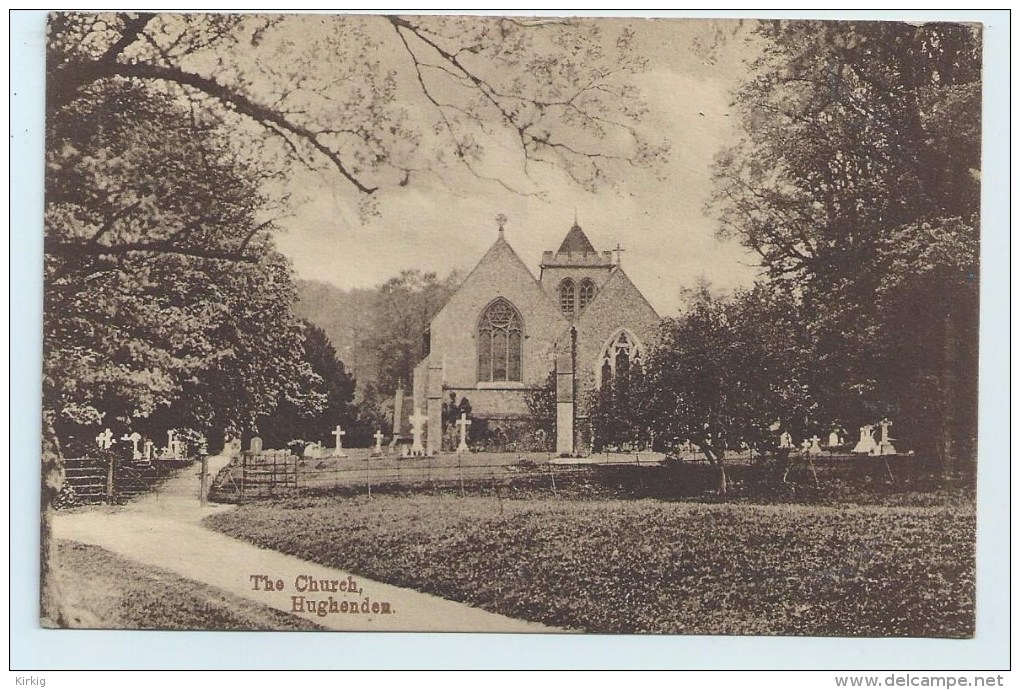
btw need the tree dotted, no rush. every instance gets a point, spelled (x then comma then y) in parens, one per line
(857, 182)
(166, 305)
(616, 412)
(403, 308)
(145, 303)
(379, 99)
(294, 419)
(541, 403)
(724, 371)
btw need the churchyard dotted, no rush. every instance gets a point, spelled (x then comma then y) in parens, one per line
(845, 540)
(823, 544)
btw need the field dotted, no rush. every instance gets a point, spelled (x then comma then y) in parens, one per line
(607, 565)
(101, 590)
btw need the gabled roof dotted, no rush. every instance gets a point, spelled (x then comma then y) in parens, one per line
(499, 251)
(619, 280)
(576, 242)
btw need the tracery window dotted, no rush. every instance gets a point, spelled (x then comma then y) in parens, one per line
(567, 296)
(500, 338)
(622, 353)
(586, 293)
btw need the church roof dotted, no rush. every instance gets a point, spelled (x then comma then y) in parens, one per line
(576, 242)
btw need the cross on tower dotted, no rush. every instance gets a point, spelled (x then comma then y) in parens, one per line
(501, 219)
(618, 249)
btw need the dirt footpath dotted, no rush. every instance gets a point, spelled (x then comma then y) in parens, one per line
(163, 529)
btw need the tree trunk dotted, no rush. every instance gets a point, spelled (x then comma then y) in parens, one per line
(945, 450)
(51, 612)
(717, 460)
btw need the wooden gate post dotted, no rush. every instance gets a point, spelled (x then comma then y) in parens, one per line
(109, 477)
(204, 480)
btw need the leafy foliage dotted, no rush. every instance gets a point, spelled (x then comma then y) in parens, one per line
(150, 320)
(294, 420)
(403, 307)
(858, 181)
(379, 99)
(541, 403)
(724, 372)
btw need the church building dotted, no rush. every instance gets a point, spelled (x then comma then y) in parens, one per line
(504, 331)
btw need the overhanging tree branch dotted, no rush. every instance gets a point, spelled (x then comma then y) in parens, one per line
(72, 250)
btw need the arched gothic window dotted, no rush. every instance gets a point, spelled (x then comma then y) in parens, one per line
(500, 337)
(622, 353)
(586, 293)
(567, 296)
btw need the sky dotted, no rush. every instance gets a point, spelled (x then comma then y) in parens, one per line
(442, 224)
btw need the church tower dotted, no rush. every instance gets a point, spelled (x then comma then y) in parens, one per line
(574, 273)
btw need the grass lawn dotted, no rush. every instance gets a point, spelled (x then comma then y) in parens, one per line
(103, 590)
(648, 565)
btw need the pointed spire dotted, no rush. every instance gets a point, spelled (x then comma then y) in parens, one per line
(575, 219)
(576, 242)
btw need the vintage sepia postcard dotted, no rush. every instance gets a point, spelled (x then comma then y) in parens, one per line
(511, 324)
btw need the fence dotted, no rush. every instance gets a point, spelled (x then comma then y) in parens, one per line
(108, 478)
(253, 476)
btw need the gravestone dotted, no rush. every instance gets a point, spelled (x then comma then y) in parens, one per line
(256, 444)
(339, 433)
(866, 444)
(805, 446)
(814, 448)
(785, 440)
(148, 450)
(463, 423)
(134, 438)
(378, 436)
(884, 446)
(834, 440)
(312, 451)
(417, 430)
(105, 440)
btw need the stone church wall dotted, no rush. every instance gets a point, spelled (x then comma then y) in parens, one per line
(619, 305)
(454, 329)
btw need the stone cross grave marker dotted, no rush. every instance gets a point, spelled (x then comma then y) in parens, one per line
(805, 446)
(463, 423)
(105, 440)
(378, 436)
(134, 437)
(815, 449)
(256, 444)
(339, 433)
(885, 446)
(148, 450)
(417, 428)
